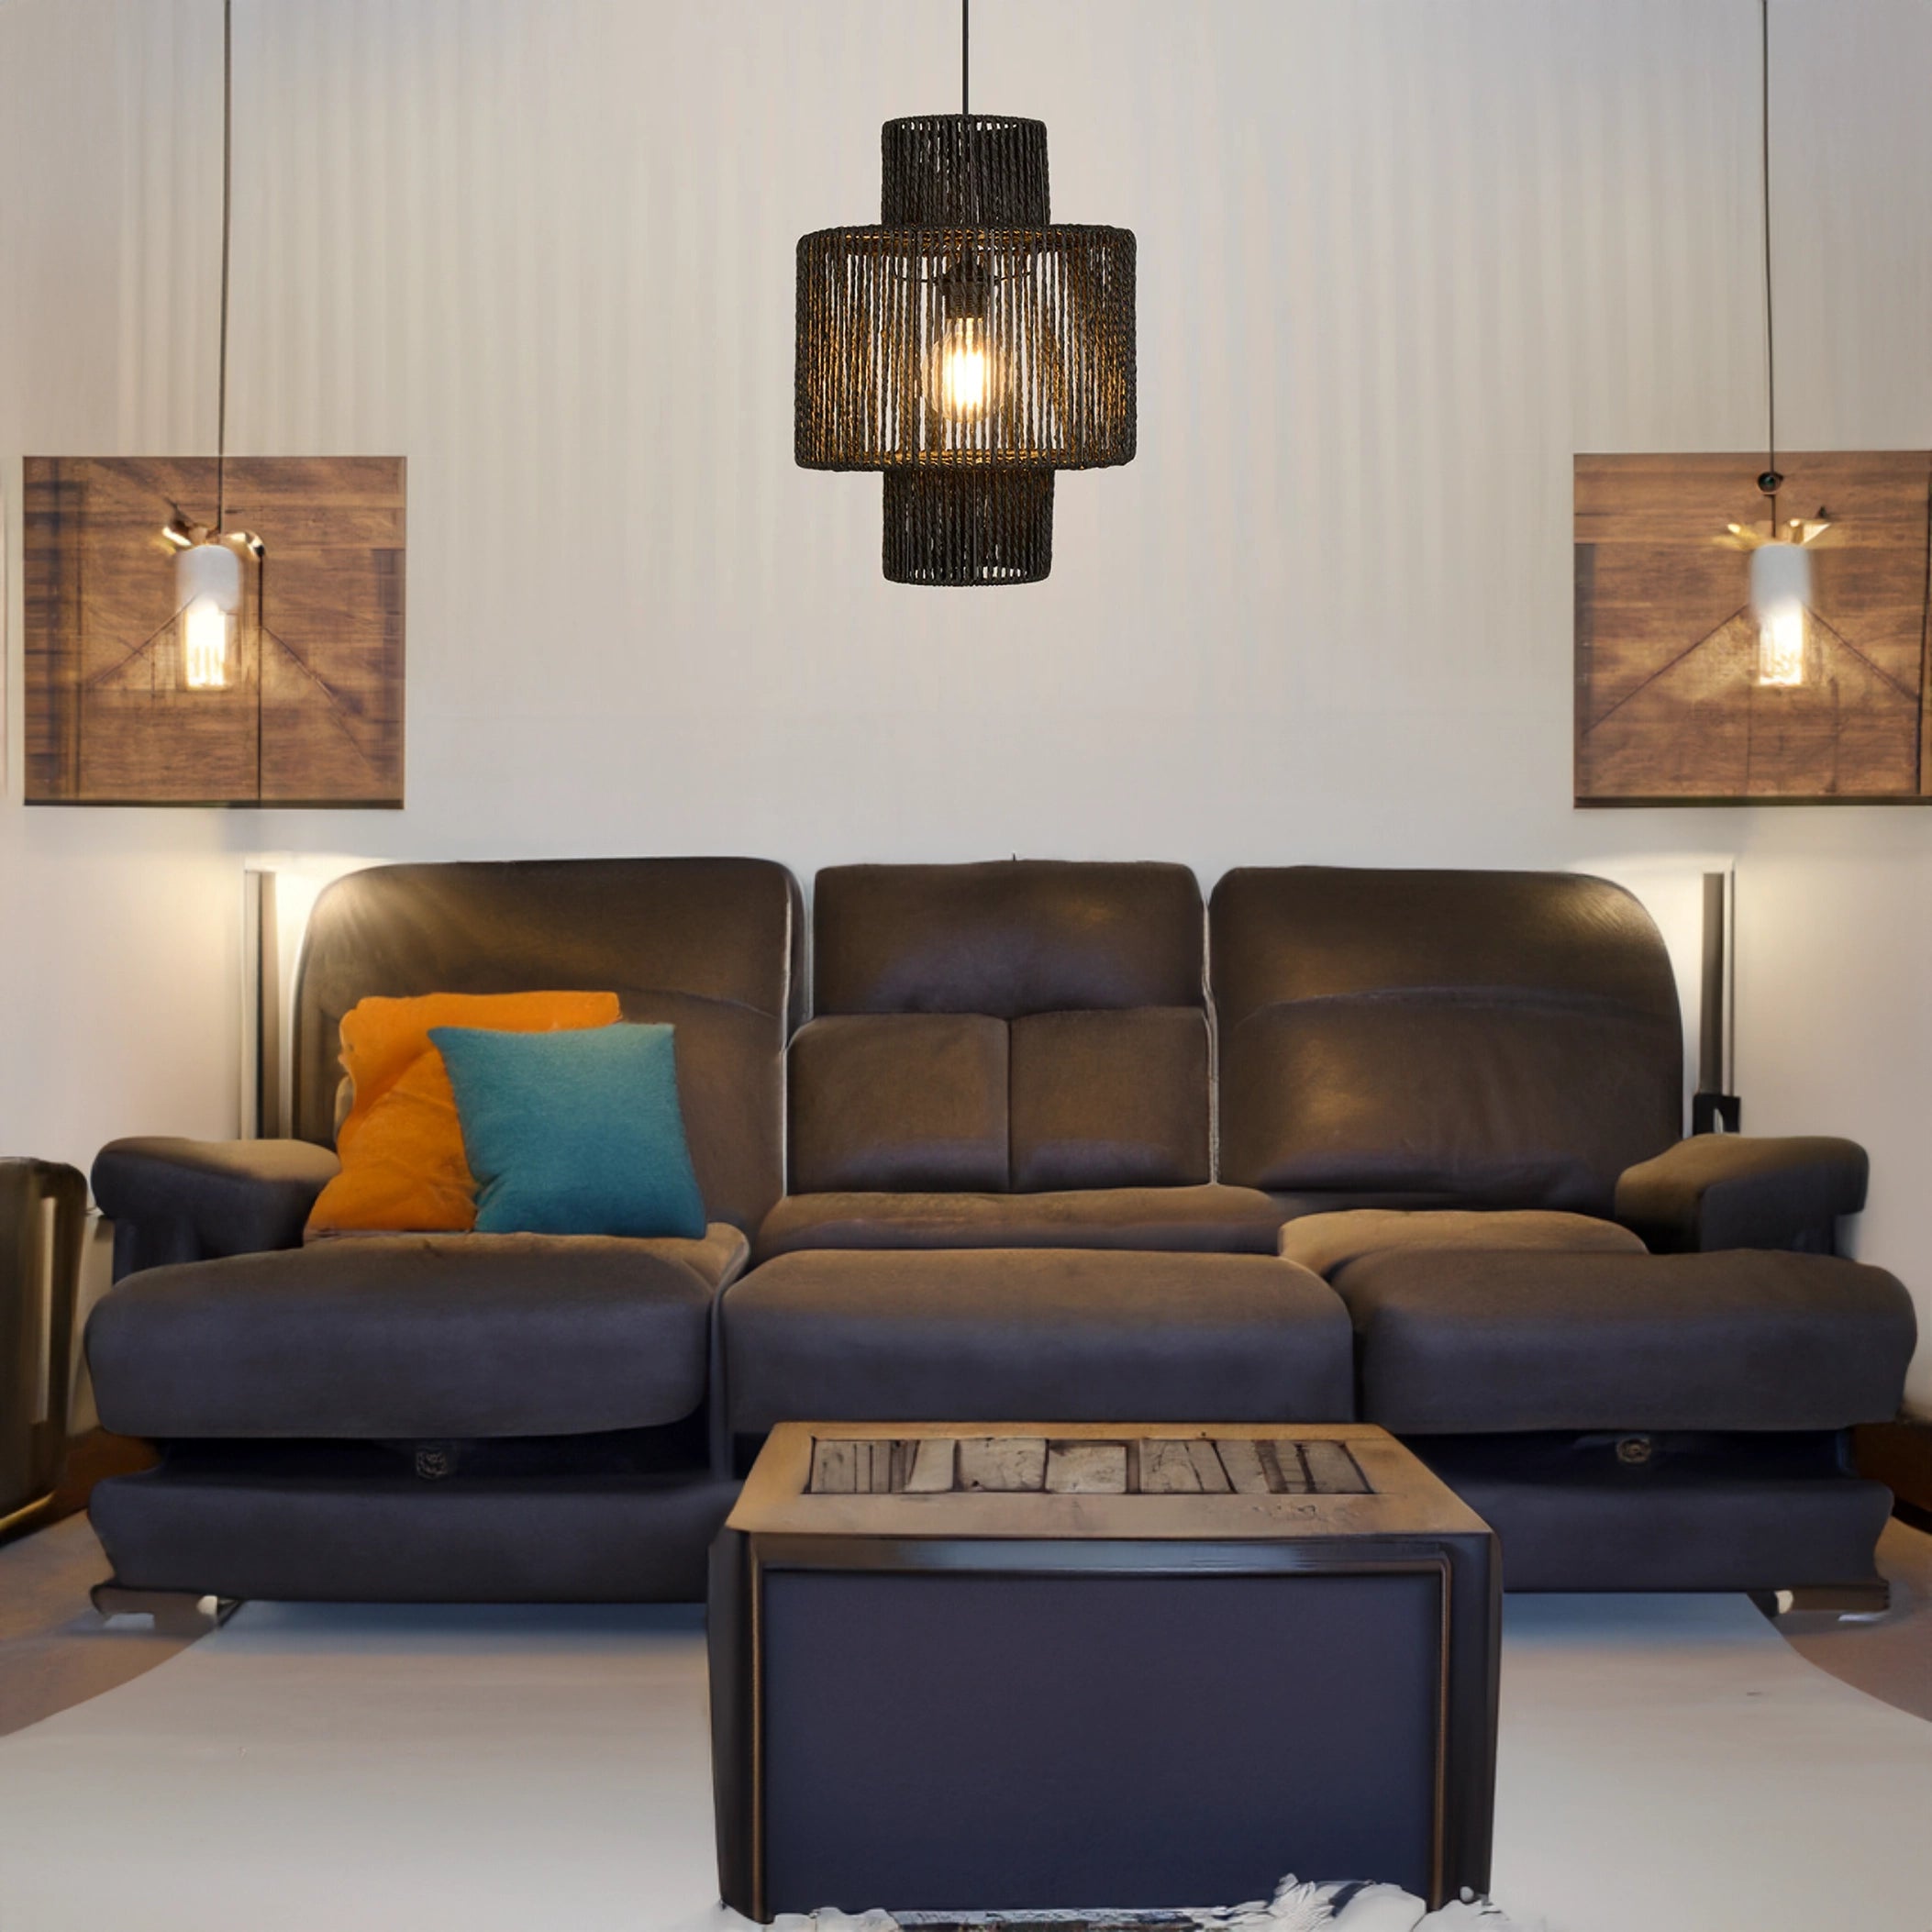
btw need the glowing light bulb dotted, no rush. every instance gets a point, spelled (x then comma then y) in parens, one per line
(208, 588)
(1781, 588)
(965, 376)
(1781, 648)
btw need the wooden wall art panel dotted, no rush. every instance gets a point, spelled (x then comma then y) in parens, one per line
(315, 716)
(1669, 706)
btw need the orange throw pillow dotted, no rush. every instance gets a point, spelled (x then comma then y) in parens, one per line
(402, 1146)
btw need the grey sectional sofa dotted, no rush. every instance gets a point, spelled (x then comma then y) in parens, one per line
(1411, 1150)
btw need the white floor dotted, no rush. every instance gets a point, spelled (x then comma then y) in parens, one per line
(1667, 1763)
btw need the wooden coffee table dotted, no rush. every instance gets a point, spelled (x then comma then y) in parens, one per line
(999, 1667)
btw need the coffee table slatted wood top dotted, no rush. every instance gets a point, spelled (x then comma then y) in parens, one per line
(1051, 1480)
(1129, 1466)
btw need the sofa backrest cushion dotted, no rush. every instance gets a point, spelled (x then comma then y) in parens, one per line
(1063, 1039)
(1109, 1099)
(1012, 938)
(896, 1101)
(1498, 1039)
(714, 947)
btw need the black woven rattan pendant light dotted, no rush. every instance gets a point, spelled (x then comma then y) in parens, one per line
(968, 347)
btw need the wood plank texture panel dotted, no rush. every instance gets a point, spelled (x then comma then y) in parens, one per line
(315, 715)
(1241, 1461)
(1167, 1469)
(1169, 1464)
(1087, 1469)
(1002, 1463)
(1668, 705)
(931, 1468)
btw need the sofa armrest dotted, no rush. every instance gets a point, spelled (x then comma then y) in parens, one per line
(174, 1200)
(1741, 1191)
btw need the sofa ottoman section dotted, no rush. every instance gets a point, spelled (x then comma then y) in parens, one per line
(1012, 1335)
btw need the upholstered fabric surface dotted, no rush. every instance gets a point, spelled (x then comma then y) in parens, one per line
(1571, 1517)
(1048, 1333)
(714, 947)
(1455, 1341)
(176, 1199)
(1110, 1099)
(1495, 1106)
(1029, 1025)
(263, 1537)
(1499, 1039)
(575, 1133)
(1743, 1191)
(899, 1100)
(408, 1336)
(1305, 932)
(1326, 1242)
(401, 1145)
(1206, 1219)
(1005, 938)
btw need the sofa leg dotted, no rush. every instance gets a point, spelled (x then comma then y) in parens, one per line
(1848, 1600)
(177, 1612)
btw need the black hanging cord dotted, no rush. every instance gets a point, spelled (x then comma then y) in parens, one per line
(1770, 480)
(228, 129)
(965, 48)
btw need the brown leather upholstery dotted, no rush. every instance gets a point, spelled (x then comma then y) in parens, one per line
(414, 1336)
(1745, 1191)
(1110, 1099)
(1071, 1335)
(713, 946)
(1497, 1040)
(1458, 1342)
(1328, 1243)
(1033, 1025)
(175, 1200)
(1227, 1220)
(1008, 937)
(899, 1100)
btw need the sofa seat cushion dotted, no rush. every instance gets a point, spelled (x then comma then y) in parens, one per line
(1210, 1218)
(414, 1337)
(1036, 1335)
(1328, 1241)
(1452, 1341)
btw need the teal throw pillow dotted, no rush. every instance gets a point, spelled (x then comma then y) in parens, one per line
(575, 1132)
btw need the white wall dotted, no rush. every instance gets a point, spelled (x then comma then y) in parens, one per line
(1398, 262)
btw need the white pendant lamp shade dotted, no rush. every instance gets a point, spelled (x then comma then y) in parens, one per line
(208, 595)
(1780, 589)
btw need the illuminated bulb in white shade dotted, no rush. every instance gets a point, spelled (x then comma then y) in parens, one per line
(207, 594)
(964, 377)
(1781, 588)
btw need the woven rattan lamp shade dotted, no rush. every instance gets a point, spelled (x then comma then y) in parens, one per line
(968, 347)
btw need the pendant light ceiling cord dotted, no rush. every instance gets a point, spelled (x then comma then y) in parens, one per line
(221, 393)
(965, 50)
(1771, 365)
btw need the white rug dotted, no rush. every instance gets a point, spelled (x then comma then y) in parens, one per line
(1668, 1765)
